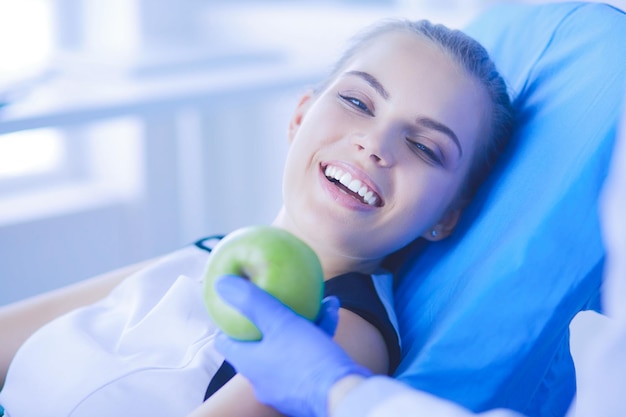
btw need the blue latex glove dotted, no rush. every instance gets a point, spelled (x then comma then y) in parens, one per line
(294, 365)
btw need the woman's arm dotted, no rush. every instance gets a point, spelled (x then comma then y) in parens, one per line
(360, 339)
(21, 319)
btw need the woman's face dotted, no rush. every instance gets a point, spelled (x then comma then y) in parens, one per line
(377, 158)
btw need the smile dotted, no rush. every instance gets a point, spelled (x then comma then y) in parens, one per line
(353, 186)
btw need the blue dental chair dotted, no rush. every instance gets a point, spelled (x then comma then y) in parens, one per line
(484, 315)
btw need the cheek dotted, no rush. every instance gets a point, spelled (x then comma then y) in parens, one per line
(425, 200)
(415, 219)
(293, 168)
(325, 122)
(300, 167)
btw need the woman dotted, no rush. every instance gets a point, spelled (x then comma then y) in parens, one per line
(390, 148)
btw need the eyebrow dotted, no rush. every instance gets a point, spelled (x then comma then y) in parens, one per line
(426, 122)
(372, 81)
(432, 124)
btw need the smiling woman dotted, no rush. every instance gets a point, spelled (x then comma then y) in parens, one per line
(412, 133)
(378, 157)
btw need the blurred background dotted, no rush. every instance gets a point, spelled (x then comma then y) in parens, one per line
(129, 128)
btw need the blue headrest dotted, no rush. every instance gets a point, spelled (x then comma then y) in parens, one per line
(484, 314)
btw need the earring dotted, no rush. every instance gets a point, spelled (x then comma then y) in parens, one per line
(434, 233)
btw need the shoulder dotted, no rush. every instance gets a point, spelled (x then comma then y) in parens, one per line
(369, 298)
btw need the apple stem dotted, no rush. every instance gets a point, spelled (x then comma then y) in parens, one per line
(245, 273)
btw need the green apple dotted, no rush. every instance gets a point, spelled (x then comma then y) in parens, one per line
(274, 260)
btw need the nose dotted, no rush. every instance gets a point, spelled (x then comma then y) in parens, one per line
(377, 147)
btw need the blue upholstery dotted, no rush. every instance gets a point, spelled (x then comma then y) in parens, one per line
(484, 314)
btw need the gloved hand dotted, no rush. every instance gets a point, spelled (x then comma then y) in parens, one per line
(294, 365)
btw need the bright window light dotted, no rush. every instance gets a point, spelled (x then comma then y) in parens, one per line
(31, 152)
(25, 36)
(25, 46)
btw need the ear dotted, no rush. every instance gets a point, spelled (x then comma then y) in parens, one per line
(445, 227)
(296, 119)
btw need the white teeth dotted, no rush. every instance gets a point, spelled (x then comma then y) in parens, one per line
(354, 185)
(345, 179)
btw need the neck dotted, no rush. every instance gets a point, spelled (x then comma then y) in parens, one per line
(335, 260)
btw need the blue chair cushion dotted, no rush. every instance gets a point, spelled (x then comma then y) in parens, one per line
(484, 315)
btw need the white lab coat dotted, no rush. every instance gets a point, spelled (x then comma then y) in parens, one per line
(603, 395)
(382, 396)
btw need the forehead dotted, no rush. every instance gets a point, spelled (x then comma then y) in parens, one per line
(412, 61)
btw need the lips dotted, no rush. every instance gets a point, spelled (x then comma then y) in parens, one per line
(352, 184)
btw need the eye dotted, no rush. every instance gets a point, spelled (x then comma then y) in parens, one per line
(425, 152)
(356, 103)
